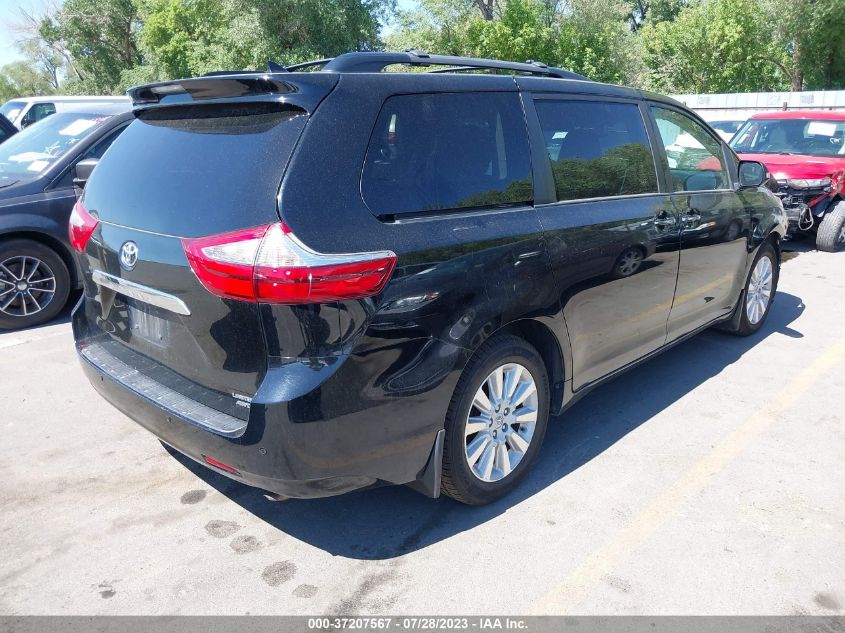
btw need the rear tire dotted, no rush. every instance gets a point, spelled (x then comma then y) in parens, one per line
(34, 284)
(488, 450)
(831, 233)
(754, 303)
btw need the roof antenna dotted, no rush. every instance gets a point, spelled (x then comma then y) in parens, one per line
(273, 67)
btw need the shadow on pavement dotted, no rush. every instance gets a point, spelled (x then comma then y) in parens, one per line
(62, 317)
(387, 522)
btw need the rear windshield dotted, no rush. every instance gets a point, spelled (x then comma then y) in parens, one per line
(196, 170)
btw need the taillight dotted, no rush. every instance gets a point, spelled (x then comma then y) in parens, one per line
(81, 226)
(269, 264)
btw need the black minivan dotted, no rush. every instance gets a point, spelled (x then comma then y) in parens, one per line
(326, 277)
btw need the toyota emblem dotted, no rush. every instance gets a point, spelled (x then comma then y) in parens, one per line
(128, 255)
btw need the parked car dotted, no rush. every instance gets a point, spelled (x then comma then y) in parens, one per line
(726, 128)
(40, 169)
(7, 130)
(805, 152)
(318, 282)
(24, 111)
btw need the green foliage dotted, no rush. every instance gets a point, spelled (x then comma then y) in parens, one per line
(520, 34)
(434, 25)
(809, 40)
(587, 36)
(105, 46)
(595, 41)
(748, 45)
(712, 46)
(183, 38)
(21, 79)
(100, 36)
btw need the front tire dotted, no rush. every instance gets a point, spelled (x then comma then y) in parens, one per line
(831, 233)
(34, 284)
(755, 302)
(496, 421)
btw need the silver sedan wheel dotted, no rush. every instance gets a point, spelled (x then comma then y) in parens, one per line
(759, 291)
(27, 286)
(501, 422)
(630, 262)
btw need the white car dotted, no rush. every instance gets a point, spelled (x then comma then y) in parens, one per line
(726, 128)
(25, 111)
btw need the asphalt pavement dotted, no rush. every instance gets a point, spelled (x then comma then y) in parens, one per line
(708, 481)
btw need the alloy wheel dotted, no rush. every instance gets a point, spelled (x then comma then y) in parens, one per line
(501, 422)
(629, 262)
(759, 291)
(27, 286)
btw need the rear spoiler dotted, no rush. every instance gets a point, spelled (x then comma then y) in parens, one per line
(305, 91)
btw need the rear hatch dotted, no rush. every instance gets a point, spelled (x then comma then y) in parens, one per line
(208, 164)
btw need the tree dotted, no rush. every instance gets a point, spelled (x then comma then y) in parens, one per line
(188, 37)
(519, 34)
(809, 41)
(595, 41)
(713, 46)
(587, 36)
(654, 11)
(435, 25)
(97, 39)
(22, 79)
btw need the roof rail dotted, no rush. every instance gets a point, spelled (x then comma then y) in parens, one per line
(373, 62)
(366, 62)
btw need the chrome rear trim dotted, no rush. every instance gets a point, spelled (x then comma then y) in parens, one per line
(170, 401)
(141, 293)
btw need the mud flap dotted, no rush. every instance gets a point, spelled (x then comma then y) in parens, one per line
(428, 481)
(732, 324)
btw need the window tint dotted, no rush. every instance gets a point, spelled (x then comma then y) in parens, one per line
(39, 111)
(696, 161)
(596, 149)
(447, 151)
(99, 148)
(196, 170)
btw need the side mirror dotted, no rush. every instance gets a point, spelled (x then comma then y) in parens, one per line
(82, 171)
(751, 174)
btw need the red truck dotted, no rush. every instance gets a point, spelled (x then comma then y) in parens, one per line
(805, 153)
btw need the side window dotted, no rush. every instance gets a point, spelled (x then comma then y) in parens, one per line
(39, 111)
(696, 160)
(431, 152)
(95, 151)
(597, 149)
(99, 148)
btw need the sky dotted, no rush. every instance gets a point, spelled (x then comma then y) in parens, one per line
(10, 13)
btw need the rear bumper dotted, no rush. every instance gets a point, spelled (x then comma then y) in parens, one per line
(282, 450)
